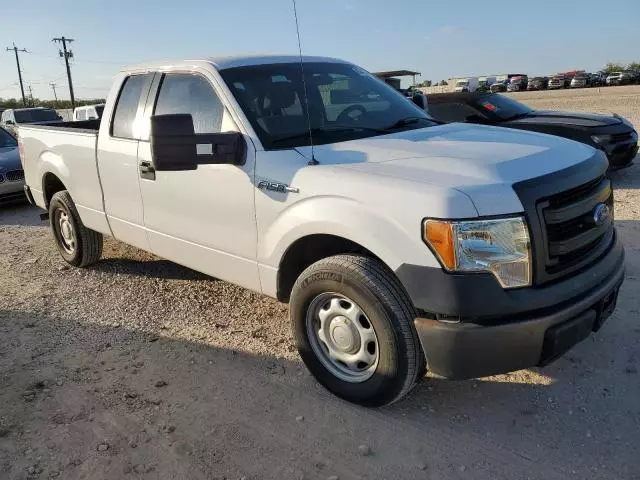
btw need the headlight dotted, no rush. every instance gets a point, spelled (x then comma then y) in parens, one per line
(499, 246)
(600, 139)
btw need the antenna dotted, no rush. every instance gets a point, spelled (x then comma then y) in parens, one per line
(313, 160)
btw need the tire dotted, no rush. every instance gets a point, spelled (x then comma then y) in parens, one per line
(362, 283)
(78, 245)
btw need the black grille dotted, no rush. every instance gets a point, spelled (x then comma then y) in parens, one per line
(620, 137)
(572, 236)
(15, 175)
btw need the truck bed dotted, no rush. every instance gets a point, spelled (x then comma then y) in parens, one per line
(68, 151)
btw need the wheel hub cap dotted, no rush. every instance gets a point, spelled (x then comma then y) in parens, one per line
(67, 240)
(342, 337)
(344, 334)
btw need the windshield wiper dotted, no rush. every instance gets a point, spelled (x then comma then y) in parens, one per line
(403, 122)
(320, 130)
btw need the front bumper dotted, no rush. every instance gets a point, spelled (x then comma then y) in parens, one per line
(621, 154)
(11, 191)
(500, 330)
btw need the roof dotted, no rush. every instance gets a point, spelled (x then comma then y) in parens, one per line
(395, 73)
(221, 63)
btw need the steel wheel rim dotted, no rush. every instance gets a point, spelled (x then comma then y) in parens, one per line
(66, 232)
(342, 337)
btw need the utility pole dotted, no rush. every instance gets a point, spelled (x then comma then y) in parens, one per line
(55, 95)
(67, 54)
(15, 51)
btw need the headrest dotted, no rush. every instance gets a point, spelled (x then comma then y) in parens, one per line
(281, 95)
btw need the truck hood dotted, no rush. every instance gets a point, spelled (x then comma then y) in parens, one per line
(549, 117)
(481, 161)
(9, 159)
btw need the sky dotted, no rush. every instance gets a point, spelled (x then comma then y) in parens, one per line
(441, 39)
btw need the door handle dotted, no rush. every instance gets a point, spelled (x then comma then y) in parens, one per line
(147, 171)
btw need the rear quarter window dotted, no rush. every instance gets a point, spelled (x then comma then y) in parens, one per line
(127, 106)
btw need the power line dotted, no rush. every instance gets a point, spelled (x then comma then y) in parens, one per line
(67, 55)
(15, 51)
(55, 95)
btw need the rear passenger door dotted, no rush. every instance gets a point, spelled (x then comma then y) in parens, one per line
(118, 160)
(203, 218)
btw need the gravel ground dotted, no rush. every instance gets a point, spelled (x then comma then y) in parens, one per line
(139, 368)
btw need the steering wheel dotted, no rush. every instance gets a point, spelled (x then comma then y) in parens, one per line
(351, 114)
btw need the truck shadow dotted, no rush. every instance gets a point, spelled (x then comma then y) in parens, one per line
(68, 385)
(151, 268)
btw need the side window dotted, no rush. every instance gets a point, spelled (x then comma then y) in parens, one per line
(187, 93)
(127, 106)
(82, 114)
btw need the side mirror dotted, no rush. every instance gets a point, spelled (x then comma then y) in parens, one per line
(175, 146)
(420, 100)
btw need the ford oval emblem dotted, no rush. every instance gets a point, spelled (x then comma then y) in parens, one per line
(601, 213)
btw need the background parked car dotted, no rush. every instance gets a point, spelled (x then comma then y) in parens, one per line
(612, 134)
(500, 86)
(38, 115)
(557, 81)
(580, 80)
(619, 78)
(538, 83)
(518, 83)
(11, 173)
(596, 79)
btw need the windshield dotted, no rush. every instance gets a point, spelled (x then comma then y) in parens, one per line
(36, 115)
(6, 139)
(345, 102)
(500, 107)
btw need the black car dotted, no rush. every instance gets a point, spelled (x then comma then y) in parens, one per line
(612, 134)
(538, 83)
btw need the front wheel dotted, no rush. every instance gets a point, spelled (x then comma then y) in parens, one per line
(77, 244)
(353, 326)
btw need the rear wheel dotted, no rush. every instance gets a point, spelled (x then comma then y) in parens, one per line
(77, 244)
(353, 325)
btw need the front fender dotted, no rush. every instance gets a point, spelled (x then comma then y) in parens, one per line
(386, 238)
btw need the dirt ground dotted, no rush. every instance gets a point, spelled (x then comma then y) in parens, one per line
(139, 368)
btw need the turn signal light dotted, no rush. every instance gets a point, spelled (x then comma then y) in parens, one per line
(440, 236)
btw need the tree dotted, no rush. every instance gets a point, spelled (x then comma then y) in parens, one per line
(442, 83)
(60, 104)
(426, 83)
(634, 67)
(613, 67)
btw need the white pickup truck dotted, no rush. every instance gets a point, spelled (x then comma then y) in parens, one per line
(400, 245)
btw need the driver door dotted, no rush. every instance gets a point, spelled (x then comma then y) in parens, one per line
(204, 218)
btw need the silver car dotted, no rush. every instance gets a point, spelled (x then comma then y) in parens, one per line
(11, 173)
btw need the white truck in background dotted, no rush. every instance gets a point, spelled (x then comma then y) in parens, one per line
(88, 112)
(400, 245)
(466, 84)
